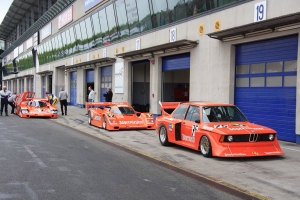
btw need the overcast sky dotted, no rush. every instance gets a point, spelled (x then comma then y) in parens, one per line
(4, 6)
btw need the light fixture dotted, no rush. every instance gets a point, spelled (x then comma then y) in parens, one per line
(147, 54)
(171, 50)
(236, 37)
(287, 27)
(256, 33)
(158, 52)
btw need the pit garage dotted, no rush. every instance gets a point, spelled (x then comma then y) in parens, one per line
(265, 83)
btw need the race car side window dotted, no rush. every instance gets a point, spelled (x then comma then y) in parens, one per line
(193, 114)
(180, 111)
(116, 111)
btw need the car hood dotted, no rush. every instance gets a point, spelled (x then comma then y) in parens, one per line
(234, 128)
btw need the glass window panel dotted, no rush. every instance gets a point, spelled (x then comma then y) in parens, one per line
(104, 27)
(132, 15)
(272, 67)
(65, 42)
(102, 79)
(112, 26)
(177, 9)
(102, 85)
(78, 38)
(144, 15)
(160, 14)
(196, 6)
(242, 82)
(73, 43)
(242, 69)
(257, 68)
(59, 47)
(122, 18)
(290, 66)
(97, 29)
(84, 36)
(109, 78)
(290, 81)
(89, 30)
(274, 81)
(257, 82)
(53, 54)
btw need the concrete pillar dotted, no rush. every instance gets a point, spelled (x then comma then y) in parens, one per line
(19, 86)
(81, 88)
(155, 85)
(26, 84)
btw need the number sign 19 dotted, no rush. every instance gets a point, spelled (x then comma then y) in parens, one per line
(260, 11)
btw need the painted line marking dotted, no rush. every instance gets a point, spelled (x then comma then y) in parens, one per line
(39, 161)
(290, 149)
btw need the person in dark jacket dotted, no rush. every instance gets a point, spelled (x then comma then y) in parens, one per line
(108, 95)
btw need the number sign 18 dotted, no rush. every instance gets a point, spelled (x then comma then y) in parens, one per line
(260, 11)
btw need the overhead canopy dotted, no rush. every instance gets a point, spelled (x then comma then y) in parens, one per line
(159, 49)
(18, 10)
(100, 61)
(257, 28)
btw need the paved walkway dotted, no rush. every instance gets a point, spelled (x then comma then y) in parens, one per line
(270, 177)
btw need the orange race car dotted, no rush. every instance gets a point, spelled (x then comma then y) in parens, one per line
(118, 115)
(27, 106)
(215, 129)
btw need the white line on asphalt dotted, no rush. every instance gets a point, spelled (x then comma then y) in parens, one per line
(290, 149)
(39, 161)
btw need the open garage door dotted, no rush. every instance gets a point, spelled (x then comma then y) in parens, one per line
(176, 77)
(266, 76)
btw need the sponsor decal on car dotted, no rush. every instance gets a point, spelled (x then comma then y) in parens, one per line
(131, 122)
(98, 118)
(246, 128)
(238, 125)
(187, 138)
(235, 154)
(194, 128)
(255, 153)
(171, 126)
(208, 128)
(221, 126)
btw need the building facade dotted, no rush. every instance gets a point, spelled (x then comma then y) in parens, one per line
(243, 52)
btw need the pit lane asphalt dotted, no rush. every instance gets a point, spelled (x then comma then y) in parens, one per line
(261, 177)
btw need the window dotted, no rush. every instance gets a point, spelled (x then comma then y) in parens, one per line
(242, 69)
(48, 52)
(122, 18)
(72, 43)
(290, 66)
(274, 67)
(177, 9)
(104, 27)
(123, 110)
(193, 114)
(195, 7)
(257, 82)
(78, 38)
(54, 49)
(144, 15)
(84, 37)
(112, 26)
(274, 81)
(132, 15)
(65, 37)
(160, 14)
(89, 30)
(257, 68)
(242, 82)
(290, 81)
(222, 113)
(97, 30)
(180, 111)
(60, 51)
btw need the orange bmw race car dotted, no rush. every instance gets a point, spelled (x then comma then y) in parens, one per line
(118, 115)
(215, 129)
(27, 106)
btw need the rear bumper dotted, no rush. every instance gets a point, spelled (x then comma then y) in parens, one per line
(128, 127)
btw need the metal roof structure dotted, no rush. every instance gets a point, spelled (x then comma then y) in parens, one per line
(18, 11)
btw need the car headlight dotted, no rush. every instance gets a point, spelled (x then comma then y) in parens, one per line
(271, 137)
(54, 111)
(24, 111)
(229, 138)
(150, 121)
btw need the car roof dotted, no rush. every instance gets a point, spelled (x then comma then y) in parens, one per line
(207, 103)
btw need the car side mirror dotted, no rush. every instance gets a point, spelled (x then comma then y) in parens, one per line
(197, 121)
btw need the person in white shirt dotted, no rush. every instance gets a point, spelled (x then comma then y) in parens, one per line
(4, 93)
(11, 102)
(91, 97)
(63, 96)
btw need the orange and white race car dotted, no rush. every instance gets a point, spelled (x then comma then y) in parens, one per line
(27, 106)
(118, 115)
(215, 129)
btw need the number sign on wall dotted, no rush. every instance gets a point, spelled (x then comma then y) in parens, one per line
(260, 11)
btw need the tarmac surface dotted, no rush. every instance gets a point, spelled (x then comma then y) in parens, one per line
(262, 177)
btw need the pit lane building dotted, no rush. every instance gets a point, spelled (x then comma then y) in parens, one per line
(234, 51)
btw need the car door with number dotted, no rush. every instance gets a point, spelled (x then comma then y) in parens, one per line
(189, 126)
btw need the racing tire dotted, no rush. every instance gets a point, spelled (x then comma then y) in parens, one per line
(163, 136)
(205, 146)
(104, 123)
(90, 118)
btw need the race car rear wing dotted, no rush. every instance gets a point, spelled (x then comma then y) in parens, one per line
(168, 107)
(104, 104)
(25, 96)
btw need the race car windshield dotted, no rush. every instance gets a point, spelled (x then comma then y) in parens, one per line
(222, 114)
(123, 110)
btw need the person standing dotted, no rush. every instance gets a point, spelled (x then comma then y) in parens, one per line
(63, 96)
(4, 99)
(11, 102)
(91, 97)
(108, 95)
(51, 98)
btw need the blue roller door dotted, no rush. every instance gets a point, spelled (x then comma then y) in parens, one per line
(106, 80)
(44, 86)
(176, 62)
(265, 84)
(73, 88)
(90, 76)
